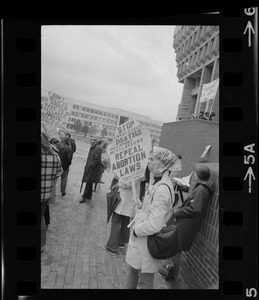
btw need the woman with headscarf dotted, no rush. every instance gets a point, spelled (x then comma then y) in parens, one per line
(150, 219)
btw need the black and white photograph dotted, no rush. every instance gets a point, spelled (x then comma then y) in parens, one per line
(130, 157)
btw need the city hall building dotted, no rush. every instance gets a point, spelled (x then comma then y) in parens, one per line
(63, 112)
(197, 58)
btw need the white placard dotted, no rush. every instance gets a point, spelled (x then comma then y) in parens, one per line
(129, 151)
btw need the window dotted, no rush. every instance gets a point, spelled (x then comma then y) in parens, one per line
(91, 111)
(83, 108)
(74, 106)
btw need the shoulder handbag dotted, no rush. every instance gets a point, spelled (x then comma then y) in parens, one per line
(164, 244)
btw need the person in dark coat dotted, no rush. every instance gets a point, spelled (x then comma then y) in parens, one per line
(189, 216)
(65, 154)
(72, 142)
(93, 169)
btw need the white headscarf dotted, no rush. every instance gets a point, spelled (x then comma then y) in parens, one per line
(170, 161)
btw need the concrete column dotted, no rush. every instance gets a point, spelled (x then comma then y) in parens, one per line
(187, 98)
(189, 84)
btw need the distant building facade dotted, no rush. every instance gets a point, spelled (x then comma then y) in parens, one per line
(64, 112)
(197, 57)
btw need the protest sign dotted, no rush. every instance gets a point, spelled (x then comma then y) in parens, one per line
(55, 109)
(129, 151)
(50, 130)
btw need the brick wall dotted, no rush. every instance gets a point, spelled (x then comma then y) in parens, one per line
(199, 266)
(189, 138)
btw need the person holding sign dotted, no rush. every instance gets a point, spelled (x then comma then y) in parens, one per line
(150, 219)
(125, 210)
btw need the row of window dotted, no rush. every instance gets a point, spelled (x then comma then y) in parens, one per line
(199, 34)
(199, 57)
(95, 118)
(108, 121)
(95, 111)
(108, 127)
(212, 45)
(112, 128)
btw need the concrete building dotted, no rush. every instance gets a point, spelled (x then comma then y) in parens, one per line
(197, 57)
(64, 112)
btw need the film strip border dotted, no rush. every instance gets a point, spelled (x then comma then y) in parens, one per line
(238, 144)
(238, 155)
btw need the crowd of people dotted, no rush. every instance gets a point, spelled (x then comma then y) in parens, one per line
(139, 214)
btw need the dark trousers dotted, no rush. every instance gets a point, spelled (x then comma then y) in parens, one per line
(64, 181)
(43, 224)
(88, 191)
(119, 231)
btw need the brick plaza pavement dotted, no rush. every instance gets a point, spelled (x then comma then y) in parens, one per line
(74, 257)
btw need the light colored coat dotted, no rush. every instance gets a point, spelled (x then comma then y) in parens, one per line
(125, 207)
(149, 220)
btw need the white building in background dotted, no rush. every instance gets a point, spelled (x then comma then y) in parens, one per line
(63, 112)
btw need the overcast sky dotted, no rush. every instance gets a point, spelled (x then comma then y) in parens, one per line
(129, 67)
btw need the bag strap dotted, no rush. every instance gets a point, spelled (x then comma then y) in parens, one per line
(163, 183)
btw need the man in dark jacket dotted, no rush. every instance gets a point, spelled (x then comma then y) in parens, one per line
(92, 170)
(72, 142)
(65, 153)
(189, 216)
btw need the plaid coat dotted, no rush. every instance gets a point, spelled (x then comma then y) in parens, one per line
(50, 170)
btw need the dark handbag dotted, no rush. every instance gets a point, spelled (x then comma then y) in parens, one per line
(164, 244)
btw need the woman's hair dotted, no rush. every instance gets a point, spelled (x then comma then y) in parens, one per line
(203, 172)
(179, 156)
(203, 160)
(45, 144)
(65, 141)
